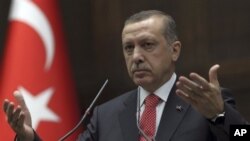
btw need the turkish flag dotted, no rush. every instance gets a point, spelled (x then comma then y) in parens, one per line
(35, 63)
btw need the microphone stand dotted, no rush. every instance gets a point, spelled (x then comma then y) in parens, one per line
(85, 114)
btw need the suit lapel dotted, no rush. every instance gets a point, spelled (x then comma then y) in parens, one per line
(172, 115)
(127, 118)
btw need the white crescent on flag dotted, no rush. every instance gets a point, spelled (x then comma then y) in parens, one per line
(29, 13)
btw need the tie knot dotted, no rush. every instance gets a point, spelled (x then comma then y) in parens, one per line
(152, 100)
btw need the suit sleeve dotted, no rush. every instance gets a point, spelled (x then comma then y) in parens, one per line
(37, 138)
(232, 116)
(91, 132)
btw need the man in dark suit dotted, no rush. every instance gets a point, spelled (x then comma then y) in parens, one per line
(186, 109)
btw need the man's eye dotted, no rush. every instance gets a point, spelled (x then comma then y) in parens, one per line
(148, 45)
(129, 48)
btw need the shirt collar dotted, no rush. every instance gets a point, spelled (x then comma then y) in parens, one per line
(162, 92)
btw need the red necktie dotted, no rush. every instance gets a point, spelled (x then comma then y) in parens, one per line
(148, 118)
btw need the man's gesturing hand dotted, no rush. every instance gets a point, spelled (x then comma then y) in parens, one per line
(205, 96)
(19, 118)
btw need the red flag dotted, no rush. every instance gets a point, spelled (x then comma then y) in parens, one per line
(35, 63)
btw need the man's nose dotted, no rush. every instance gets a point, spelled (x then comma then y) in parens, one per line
(138, 56)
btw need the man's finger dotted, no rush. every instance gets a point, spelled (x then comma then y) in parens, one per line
(20, 122)
(19, 97)
(184, 89)
(185, 97)
(9, 111)
(203, 83)
(16, 114)
(213, 77)
(190, 86)
(5, 105)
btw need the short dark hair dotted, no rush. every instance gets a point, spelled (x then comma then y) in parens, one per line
(169, 31)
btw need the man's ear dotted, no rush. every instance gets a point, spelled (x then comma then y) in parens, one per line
(176, 48)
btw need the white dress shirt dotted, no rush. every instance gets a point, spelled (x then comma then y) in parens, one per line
(162, 93)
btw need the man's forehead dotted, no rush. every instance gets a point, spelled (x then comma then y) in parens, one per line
(142, 36)
(141, 24)
(147, 24)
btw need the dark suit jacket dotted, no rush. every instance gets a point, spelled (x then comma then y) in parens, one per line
(116, 121)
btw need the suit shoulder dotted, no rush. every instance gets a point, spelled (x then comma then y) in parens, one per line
(120, 99)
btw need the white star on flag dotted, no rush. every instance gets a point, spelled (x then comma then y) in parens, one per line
(37, 105)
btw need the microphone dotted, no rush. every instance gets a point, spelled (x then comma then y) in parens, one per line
(141, 132)
(85, 114)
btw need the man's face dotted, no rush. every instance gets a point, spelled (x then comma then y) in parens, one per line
(149, 57)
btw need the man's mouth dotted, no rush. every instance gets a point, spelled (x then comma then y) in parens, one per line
(140, 72)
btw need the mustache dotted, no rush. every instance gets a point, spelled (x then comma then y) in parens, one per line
(139, 67)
